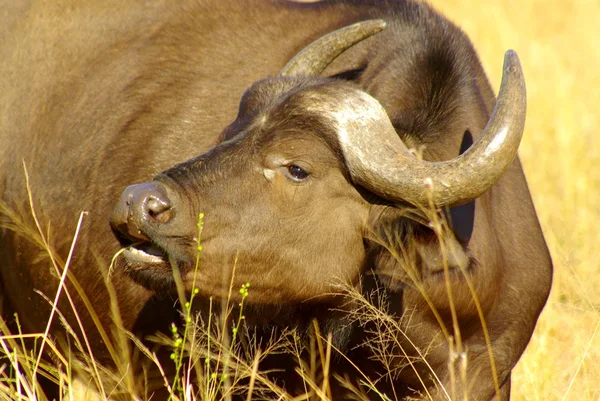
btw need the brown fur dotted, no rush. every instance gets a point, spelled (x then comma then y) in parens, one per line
(95, 97)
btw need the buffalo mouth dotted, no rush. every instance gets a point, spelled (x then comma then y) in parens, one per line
(142, 253)
(149, 263)
(139, 254)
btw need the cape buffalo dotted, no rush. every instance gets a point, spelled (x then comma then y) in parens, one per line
(313, 187)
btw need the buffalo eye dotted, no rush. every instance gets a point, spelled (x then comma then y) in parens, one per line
(297, 173)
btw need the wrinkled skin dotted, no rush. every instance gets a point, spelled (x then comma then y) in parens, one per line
(127, 91)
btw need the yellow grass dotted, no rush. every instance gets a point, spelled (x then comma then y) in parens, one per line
(557, 42)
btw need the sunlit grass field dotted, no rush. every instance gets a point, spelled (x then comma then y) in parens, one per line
(557, 42)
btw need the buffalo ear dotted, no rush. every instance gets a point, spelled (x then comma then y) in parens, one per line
(403, 251)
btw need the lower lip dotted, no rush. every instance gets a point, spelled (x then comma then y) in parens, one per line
(137, 255)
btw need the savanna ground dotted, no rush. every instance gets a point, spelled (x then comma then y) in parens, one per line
(557, 44)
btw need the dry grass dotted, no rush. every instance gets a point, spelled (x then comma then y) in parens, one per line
(557, 43)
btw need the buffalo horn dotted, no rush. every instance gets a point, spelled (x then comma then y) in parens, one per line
(379, 161)
(315, 57)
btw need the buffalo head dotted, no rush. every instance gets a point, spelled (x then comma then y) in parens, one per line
(290, 192)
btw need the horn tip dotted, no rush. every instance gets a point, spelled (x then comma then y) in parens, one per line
(511, 62)
(380, 23)
(369, 27)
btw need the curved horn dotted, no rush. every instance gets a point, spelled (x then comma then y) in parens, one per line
(315, 57)
(380, 162)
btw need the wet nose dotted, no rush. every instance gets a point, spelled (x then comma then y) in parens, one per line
(141, 206)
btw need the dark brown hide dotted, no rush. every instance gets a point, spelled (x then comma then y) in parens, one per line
(95, 97)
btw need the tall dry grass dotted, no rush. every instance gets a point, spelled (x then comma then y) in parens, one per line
(557, 42)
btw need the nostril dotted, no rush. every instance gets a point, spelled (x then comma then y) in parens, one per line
(159, 209)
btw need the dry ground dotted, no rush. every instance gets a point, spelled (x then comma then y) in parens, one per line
(558, 44)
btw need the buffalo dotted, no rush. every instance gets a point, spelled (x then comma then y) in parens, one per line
(377, 160)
